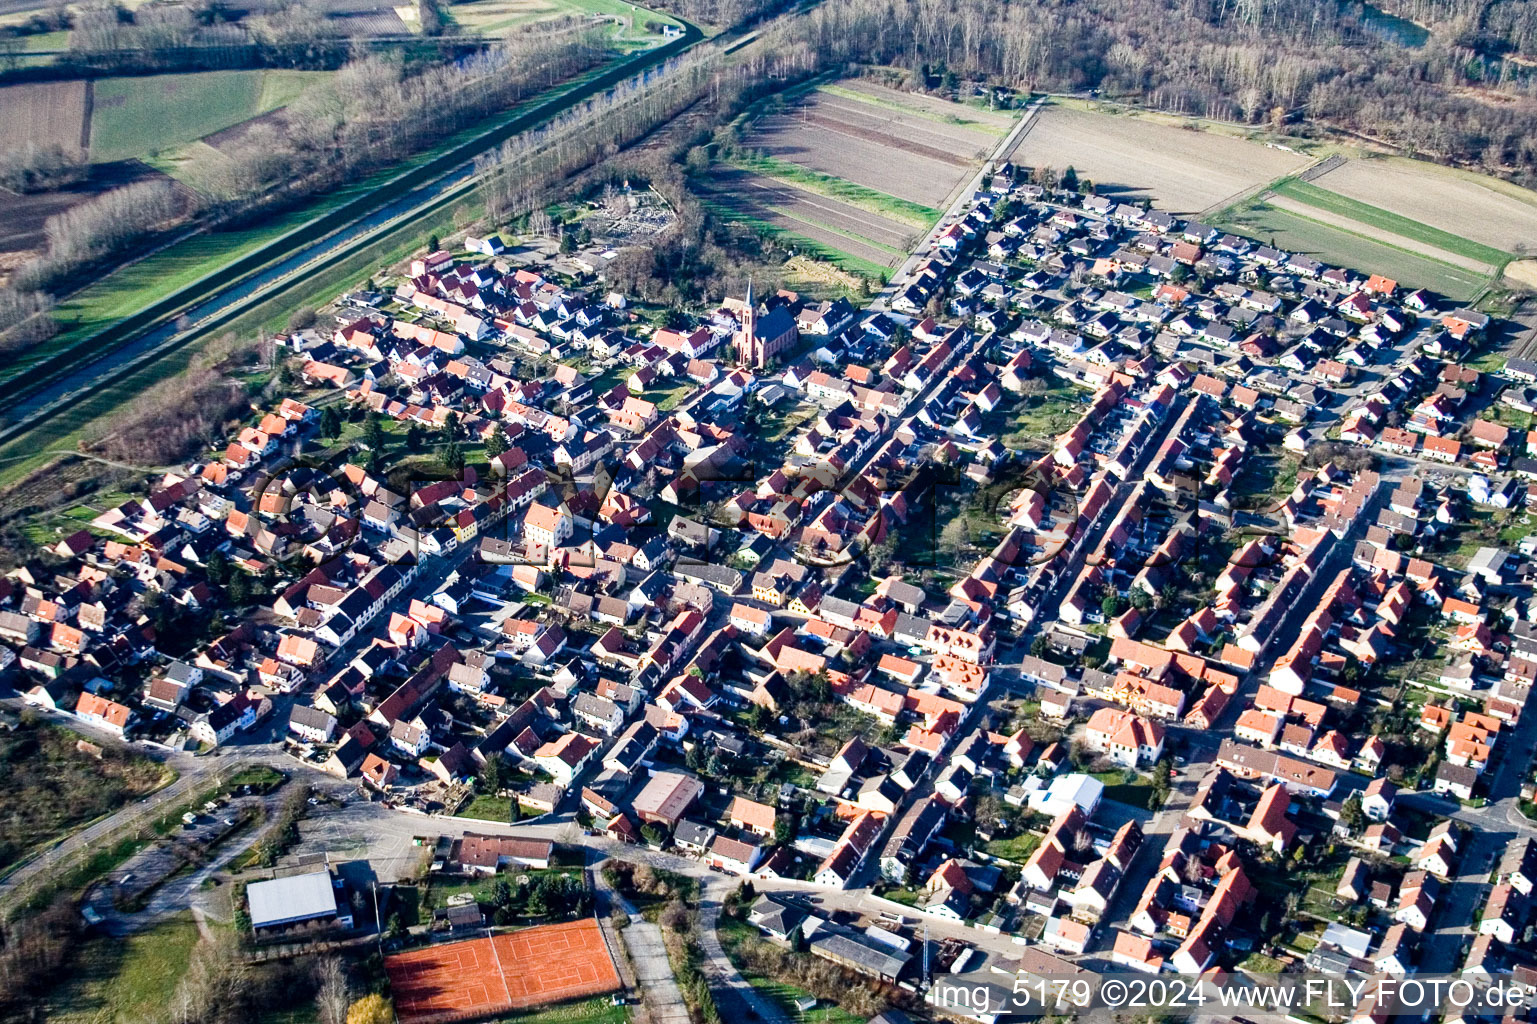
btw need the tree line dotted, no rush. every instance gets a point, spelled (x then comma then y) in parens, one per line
(1278, 62)
(373, 112)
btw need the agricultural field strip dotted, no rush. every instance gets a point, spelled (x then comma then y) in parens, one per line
(42, 112)
(1483, 210)
(844, 191)
(953, 142)
(1391, 223)
(883, 98)
(785, 216)
(1302, 208)
(877, 165)
(819, 243)
(1271, 225)
(792, 201)
(137, 116)
(1181, 171)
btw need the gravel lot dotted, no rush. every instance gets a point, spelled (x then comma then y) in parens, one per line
(1438, 197)
(1182, 171)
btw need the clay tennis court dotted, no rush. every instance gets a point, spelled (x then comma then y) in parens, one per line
(479, 978)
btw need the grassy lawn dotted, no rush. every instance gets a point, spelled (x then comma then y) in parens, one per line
(487, 808)
(1265, 479)
(1303, 235)
(257, 775)
(590, 1011)
(1259, 963)
(128, 979)
(1038, 418)
(1137, 794)
(135, 116)
(1343, 206)
(483, 888)
(1015, 848)
(668, 399)
(904, 210)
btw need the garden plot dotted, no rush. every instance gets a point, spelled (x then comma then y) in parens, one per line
(1182, 171)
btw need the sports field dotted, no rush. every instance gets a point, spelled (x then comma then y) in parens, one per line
(481, 978)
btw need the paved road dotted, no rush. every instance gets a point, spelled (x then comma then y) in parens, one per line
(1004, 151)
(663, 1001)
(1155, 839)
(728, 980)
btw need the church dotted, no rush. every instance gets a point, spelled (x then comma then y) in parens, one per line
(763, 336)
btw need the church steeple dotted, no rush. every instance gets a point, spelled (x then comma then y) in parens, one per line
(749, 347)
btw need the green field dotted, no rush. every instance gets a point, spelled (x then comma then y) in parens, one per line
(1302, 235)
(135, 117)
(1016, 848)
(904, 210)
(815, 250)
(127, 979)
(1343, 206)
(487, 808)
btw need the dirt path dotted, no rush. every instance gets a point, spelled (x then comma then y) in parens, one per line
(1356, 227)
